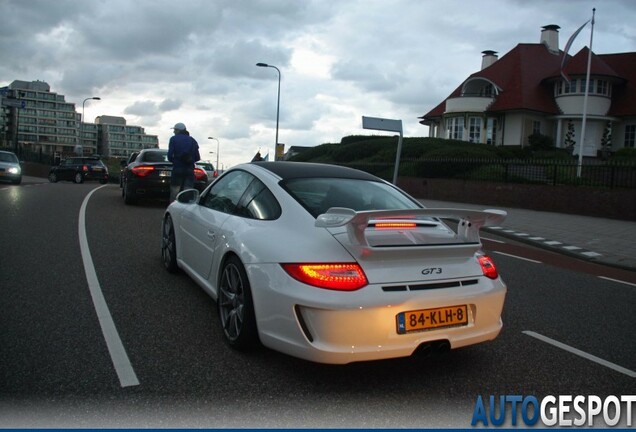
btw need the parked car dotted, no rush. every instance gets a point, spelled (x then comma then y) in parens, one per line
(334, 265)
(79, 170)
(10, 168)
(209, 170)
(147, 175)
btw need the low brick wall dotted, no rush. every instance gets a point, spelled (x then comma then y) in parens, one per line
(580, 200)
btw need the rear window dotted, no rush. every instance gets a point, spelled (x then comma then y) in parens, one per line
(93, 162)
(154, 156)
(318, 195)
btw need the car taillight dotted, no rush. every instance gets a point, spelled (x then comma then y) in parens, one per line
(216, 174)
(394, 225)
(488, 267)
(340, 277)
(142, 170)
(85, 168)
(199, 174)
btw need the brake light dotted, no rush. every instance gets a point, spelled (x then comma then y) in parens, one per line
(394, 225)
(85, 168)
(142, 170)
(339, 277)
(488, 267)
(199, 174)
(216, 174)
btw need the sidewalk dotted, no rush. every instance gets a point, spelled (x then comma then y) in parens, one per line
(605, 241)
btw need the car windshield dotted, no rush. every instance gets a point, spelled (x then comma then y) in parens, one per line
(318, 195)
(206, 166)
(8, 157)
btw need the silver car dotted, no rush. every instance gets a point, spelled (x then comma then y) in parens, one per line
(10, 169)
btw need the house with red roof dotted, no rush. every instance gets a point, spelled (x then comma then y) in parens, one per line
(525, 92)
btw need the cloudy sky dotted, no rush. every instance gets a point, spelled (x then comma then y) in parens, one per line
(158, 62)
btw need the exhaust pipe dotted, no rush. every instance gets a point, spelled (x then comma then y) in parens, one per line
(429, 349)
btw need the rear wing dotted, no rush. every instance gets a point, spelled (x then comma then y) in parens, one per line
(469, 221)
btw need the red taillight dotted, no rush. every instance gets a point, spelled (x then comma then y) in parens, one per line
(216, 174)
(142, 170)
(488, 267)
(199, 174)
(85, 168)
(340, 277)
(394, 225)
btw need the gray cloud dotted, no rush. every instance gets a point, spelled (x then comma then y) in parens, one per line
(159, 62)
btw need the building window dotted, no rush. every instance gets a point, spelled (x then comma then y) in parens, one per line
(474, 129)
(455, 128)
(536, 127)
(630, 136)
(491, 131)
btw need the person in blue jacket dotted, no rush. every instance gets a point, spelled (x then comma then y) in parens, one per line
(183, 152)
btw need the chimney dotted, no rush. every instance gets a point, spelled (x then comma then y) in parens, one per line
(550, 37)
(488, 58)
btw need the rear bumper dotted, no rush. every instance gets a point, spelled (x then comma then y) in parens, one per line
(342, 327)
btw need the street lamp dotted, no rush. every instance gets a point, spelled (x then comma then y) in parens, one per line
(278, 103)
(216, 167)
(82, 121)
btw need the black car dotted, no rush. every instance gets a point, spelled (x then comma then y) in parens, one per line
(147, 175)
(79, 169)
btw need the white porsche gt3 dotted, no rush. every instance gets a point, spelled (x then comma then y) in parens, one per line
(334, 265)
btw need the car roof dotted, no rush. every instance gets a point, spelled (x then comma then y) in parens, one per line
(291, 170)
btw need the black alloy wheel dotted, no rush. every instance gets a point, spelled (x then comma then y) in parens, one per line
(235, 306)
(168, 246)
(79, 178)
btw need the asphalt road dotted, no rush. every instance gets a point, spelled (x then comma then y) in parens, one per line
(56, 369)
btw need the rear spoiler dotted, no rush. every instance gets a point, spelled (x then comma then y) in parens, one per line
(469, 221)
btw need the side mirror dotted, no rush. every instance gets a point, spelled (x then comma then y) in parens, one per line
(188, 196)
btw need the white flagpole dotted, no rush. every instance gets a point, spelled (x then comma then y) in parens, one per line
(587, 88)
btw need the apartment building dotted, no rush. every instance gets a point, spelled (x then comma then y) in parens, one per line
(35, 120)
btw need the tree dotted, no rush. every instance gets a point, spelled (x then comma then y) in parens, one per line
(606, 140)
(569, 138)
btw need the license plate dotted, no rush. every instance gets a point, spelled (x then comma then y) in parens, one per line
(165, 173)
(428, 319)
(97, 169)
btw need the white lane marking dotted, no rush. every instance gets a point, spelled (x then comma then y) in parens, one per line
(552, 243)
(591, 254)
(125, 372)
(580, 353)
(572, 248)
(518, 257)
(619, 281)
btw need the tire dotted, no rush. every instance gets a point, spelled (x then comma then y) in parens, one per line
(79, 178)
(235, 307)
(53, 177)
(129, 199)
(168, 246)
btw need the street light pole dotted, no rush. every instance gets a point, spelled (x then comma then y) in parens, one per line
(278, 101)
(82, 120)
(216, 167)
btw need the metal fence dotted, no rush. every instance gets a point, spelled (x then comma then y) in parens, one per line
(551, 172)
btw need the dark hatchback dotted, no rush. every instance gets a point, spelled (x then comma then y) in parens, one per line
(79, 169)
(146, 174)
